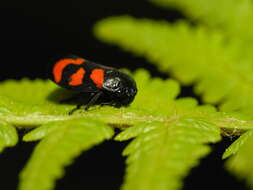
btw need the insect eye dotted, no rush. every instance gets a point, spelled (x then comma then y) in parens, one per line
(112, 84)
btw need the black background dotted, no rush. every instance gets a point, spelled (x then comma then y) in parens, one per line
(31, 33)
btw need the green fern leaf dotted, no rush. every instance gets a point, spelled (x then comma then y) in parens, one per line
(64, 137)
(241, 163)
(234, 148)
(207, 54)
(21, 107)
(8, 136)
(58, 149)
(233, 17)
(161, 156)
(25, 110)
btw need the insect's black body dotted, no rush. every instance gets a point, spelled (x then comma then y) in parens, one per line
(111, 86)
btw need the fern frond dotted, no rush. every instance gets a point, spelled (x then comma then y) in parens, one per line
(235, 146)
(233, 17)
(34, 110)
(28, 103)
(162, 155)
(241, 163)
(206, 54)
(8, 135)
(21, 113)
(58, 149)
(155, 110)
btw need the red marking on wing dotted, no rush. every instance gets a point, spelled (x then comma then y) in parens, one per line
(61, 64)
(97, 76)
(77, 78)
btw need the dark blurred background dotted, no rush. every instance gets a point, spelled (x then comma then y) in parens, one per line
(32, 33)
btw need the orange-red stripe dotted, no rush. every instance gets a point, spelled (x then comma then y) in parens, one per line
(97, 76)
(77, 78)
(61, 64)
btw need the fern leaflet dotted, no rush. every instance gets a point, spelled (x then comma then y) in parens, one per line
(241, 163)
(161, 156)
(58, 149)
(236, 145)
(8, 135)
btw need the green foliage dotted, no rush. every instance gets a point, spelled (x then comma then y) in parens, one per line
(169, 135)
(232, 16)
(164, 135)
(236, 145)
(206, 55)
(215, 57)
(8, 136)
(58, 149)
(162, 155)
(42, 131)
(27, 104)
(241, 163)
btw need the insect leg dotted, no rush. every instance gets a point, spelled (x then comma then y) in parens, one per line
(76, 108)
(93, 100)
(90, 103)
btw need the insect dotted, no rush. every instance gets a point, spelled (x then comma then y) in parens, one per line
(113, 87)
